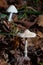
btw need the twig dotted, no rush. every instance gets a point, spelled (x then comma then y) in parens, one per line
(31, 9)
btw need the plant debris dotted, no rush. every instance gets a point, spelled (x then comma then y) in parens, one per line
(29, 16)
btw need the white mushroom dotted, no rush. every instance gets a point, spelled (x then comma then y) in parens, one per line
(12, 9)
(26, 34)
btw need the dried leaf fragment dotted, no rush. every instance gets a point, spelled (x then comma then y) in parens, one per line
(40, 34)
(3, 4)
(40, 20)
(2, 62)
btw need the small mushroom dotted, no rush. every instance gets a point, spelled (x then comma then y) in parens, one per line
(26, 34)
(12, 9)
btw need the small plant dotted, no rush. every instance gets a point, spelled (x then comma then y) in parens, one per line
(41, 63)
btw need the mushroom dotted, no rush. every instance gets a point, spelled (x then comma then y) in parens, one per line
(26, 34)
(12, 9)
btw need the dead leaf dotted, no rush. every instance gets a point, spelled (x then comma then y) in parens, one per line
(15, 18)
(2, 62)
(40, 34)
(16, 41)
(25, 22)
(1, 36)
(40, 20)
(3, 4)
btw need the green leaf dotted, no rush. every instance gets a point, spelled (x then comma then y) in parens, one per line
(41, 63)
(3, 15)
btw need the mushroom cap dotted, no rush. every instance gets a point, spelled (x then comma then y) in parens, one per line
(27, 34)
(12, 9)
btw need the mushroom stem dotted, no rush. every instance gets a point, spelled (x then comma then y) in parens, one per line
(26, 48)
(10, 17)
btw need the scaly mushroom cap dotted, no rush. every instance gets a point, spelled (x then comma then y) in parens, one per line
(27, 34)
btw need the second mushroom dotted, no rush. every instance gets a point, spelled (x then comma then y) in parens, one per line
(26, 34)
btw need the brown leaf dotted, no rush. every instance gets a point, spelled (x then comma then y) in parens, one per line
(2, 62)
(40, 20)
(25, 22)
(15, 18)
(16, 41)
(1, 36)
(6, 26)
(40, 34)
(3, 4)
